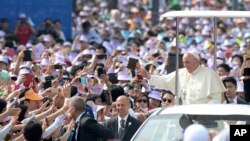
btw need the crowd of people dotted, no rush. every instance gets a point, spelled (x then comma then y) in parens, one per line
(115, 71)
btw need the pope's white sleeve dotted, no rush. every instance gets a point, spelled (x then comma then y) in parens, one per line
(158, 81)
(215, 98)
(58, 121)
(5, 130)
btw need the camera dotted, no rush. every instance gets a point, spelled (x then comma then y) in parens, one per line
(100, 71)
(105, 96)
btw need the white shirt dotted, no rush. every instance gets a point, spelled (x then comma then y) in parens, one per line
(119, 121)
(234, 101)
(78, 121)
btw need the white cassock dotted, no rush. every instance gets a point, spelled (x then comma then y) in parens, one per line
(200, 87)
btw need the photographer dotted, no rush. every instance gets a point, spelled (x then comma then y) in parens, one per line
(48, 28)
(23, 29)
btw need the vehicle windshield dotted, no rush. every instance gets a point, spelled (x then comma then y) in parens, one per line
(171, 127)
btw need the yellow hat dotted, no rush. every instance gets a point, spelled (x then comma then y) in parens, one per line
(31, 95)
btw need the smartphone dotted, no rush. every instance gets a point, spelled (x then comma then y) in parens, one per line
(101, 56)
(27, 55)
(172, 62)
(13, 78)
(132, 63)
(83, 80)
(113, 78)
(28, 79)
(47, 99)
(140, 77)
(246, 72)
(4, 75)
(105, 96)
(47, 78)
(57, 66)
(100, 71)
(36, 80)
(47, 84)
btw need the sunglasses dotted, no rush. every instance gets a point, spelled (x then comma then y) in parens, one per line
(169, 100)
(142, 100)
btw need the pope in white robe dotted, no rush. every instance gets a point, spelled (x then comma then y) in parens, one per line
(196, 84)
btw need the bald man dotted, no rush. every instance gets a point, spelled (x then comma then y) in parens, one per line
(196, 85)
(123, 126)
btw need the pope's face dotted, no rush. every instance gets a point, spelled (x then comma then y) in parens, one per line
(190, 63)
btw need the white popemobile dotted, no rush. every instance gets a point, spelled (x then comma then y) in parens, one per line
(168, 124)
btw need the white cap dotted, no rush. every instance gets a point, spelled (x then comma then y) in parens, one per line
(122, 75)
(86, 8)
(2, 33)
(29, 45)
(246, 35)
(4, 59)
(103, 4)
(24, 71)
(108, 47)
(44, 62)
(205, 21)
(67, 44)
(194, 53)
(99, 107)
(83, 38)
(88, 52)
(83, 13)
(46, 38)
(198, 27)
(207, 27)
(228, 42)
(95, 9)
(121, 48)
(12, 74)
(204, 56)
(124, 2)
(173, 43)
(220, 54)
(22, 15)
(60, 61)
(205, 32)
(155, 95)
(184, 21)
(196, 132)
(198, 22)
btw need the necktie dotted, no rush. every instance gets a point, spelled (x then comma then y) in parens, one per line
(232, 102)
(121, 129)
(73, 137)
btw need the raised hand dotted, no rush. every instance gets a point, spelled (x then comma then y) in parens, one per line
(13, 111)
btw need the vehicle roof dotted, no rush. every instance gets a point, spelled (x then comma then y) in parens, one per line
(235, 14)
(207, 109)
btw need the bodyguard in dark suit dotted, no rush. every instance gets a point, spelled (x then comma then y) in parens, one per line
(86, 128)
(123, 126)
(241, 101)
(230, 94)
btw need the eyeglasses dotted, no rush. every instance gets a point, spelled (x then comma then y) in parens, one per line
(142, 100)
(169, 100)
